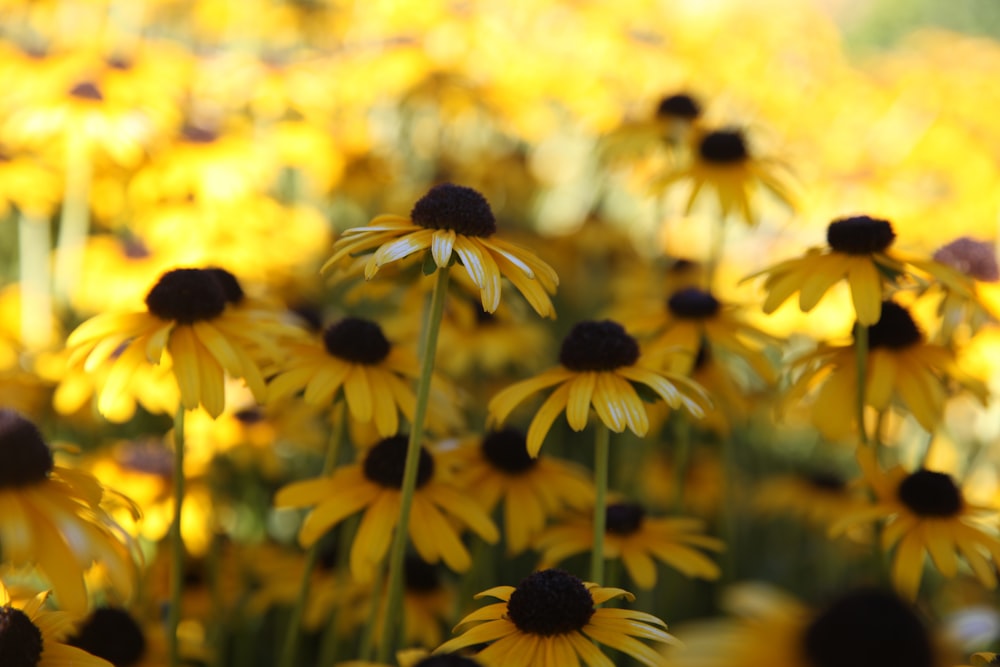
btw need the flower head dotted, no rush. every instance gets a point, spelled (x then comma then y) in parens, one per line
(453, 222)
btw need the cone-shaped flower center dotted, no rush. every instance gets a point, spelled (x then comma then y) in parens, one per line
(86, 90)
(112, 634)
(975, 259)
(447, 660)
(24, 456)
(723, 147)
(623, 518)
(419, 575)
(693, 303)
(550, 602)
(930, 493)
(385, 462)
(194, 134)
(20, 639)
(679, 105)
(598, 346)
(230, 285)
(455, 207)
(860, 235)
(357, 341)
(186, 296)
(867, 628)
(507, 450)
(895, 328)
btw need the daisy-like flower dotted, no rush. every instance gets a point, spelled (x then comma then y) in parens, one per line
(358, 363)
(189, 315)
(925, 513)
(51, 517)
(638, 540)
(972, 260)
(549, 620)
(114, 634)
(722, 161)
(374, 486)
(900, 366)
(496, 467)
(453, 222)
(859, 251)
(819, 498)
(600, 366)
(861, 628)
(33, 637)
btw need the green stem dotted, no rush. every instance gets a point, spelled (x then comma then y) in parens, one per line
(371, 624)
(394, 609)
(176, 544)
(34, 247)
(290, 648)
(602, 443)
(682, 459)
(718, 233)
(74, 222)
(861, 366)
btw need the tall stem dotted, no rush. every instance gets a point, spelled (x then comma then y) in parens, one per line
(35, 245)
(290, 648)
(861, 365)
(428, 351)
(176, 544)
(74, 222)
(602, 448)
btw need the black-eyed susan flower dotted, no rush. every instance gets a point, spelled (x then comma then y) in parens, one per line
(357, 363)
(865, 627)
(858, 251)
(496, 467)
(33, 637)
(600, 366)
(114, 634)
(925, 513)
(961, 304)
(819, 497)
(901, 367)
(549, 620)
(51, 517)
(638, 540)
(453, 223)
(373, 486)
(721, 160)
(188, 318)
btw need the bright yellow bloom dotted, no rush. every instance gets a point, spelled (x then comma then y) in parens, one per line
(453, 223)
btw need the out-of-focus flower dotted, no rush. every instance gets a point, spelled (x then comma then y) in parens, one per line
(960, 306)
(114, 634)
(819, 498)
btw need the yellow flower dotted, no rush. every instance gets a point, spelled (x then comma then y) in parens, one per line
(31, 637)
(191, 316)
(900, 366)
(114, 634)
(496, 466)
(453, 222)
(961, 304)
(374, 487)
(925, 513)
(51, 516)
(819, 497)
(638, 540)
(549, 620)
(600, 364)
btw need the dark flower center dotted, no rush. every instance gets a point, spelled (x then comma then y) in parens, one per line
(826, 481)
(20, 639)
(930, 493)
(186, 296)
(723, 147)
(507, 450)
(868, 628)
(385, 462)
(24, 457)
(457, 208)
(598, 346)
(420, 576)
(448, 660)
(860, 235)
(112, 634)
(679, 105)
(119, 62)
(194, 134)
(623, 518)
(895, 328)
(550, 602)
(251, 415)
(693, 303)
(230, 285)
(357, 341)
(86, 90)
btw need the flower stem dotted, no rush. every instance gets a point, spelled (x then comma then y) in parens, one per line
(290, 648)
(74, 222)
(861, 365)
(394, 619)
(176, 544)
(682, 459)
(36, 280)
(602, 447)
